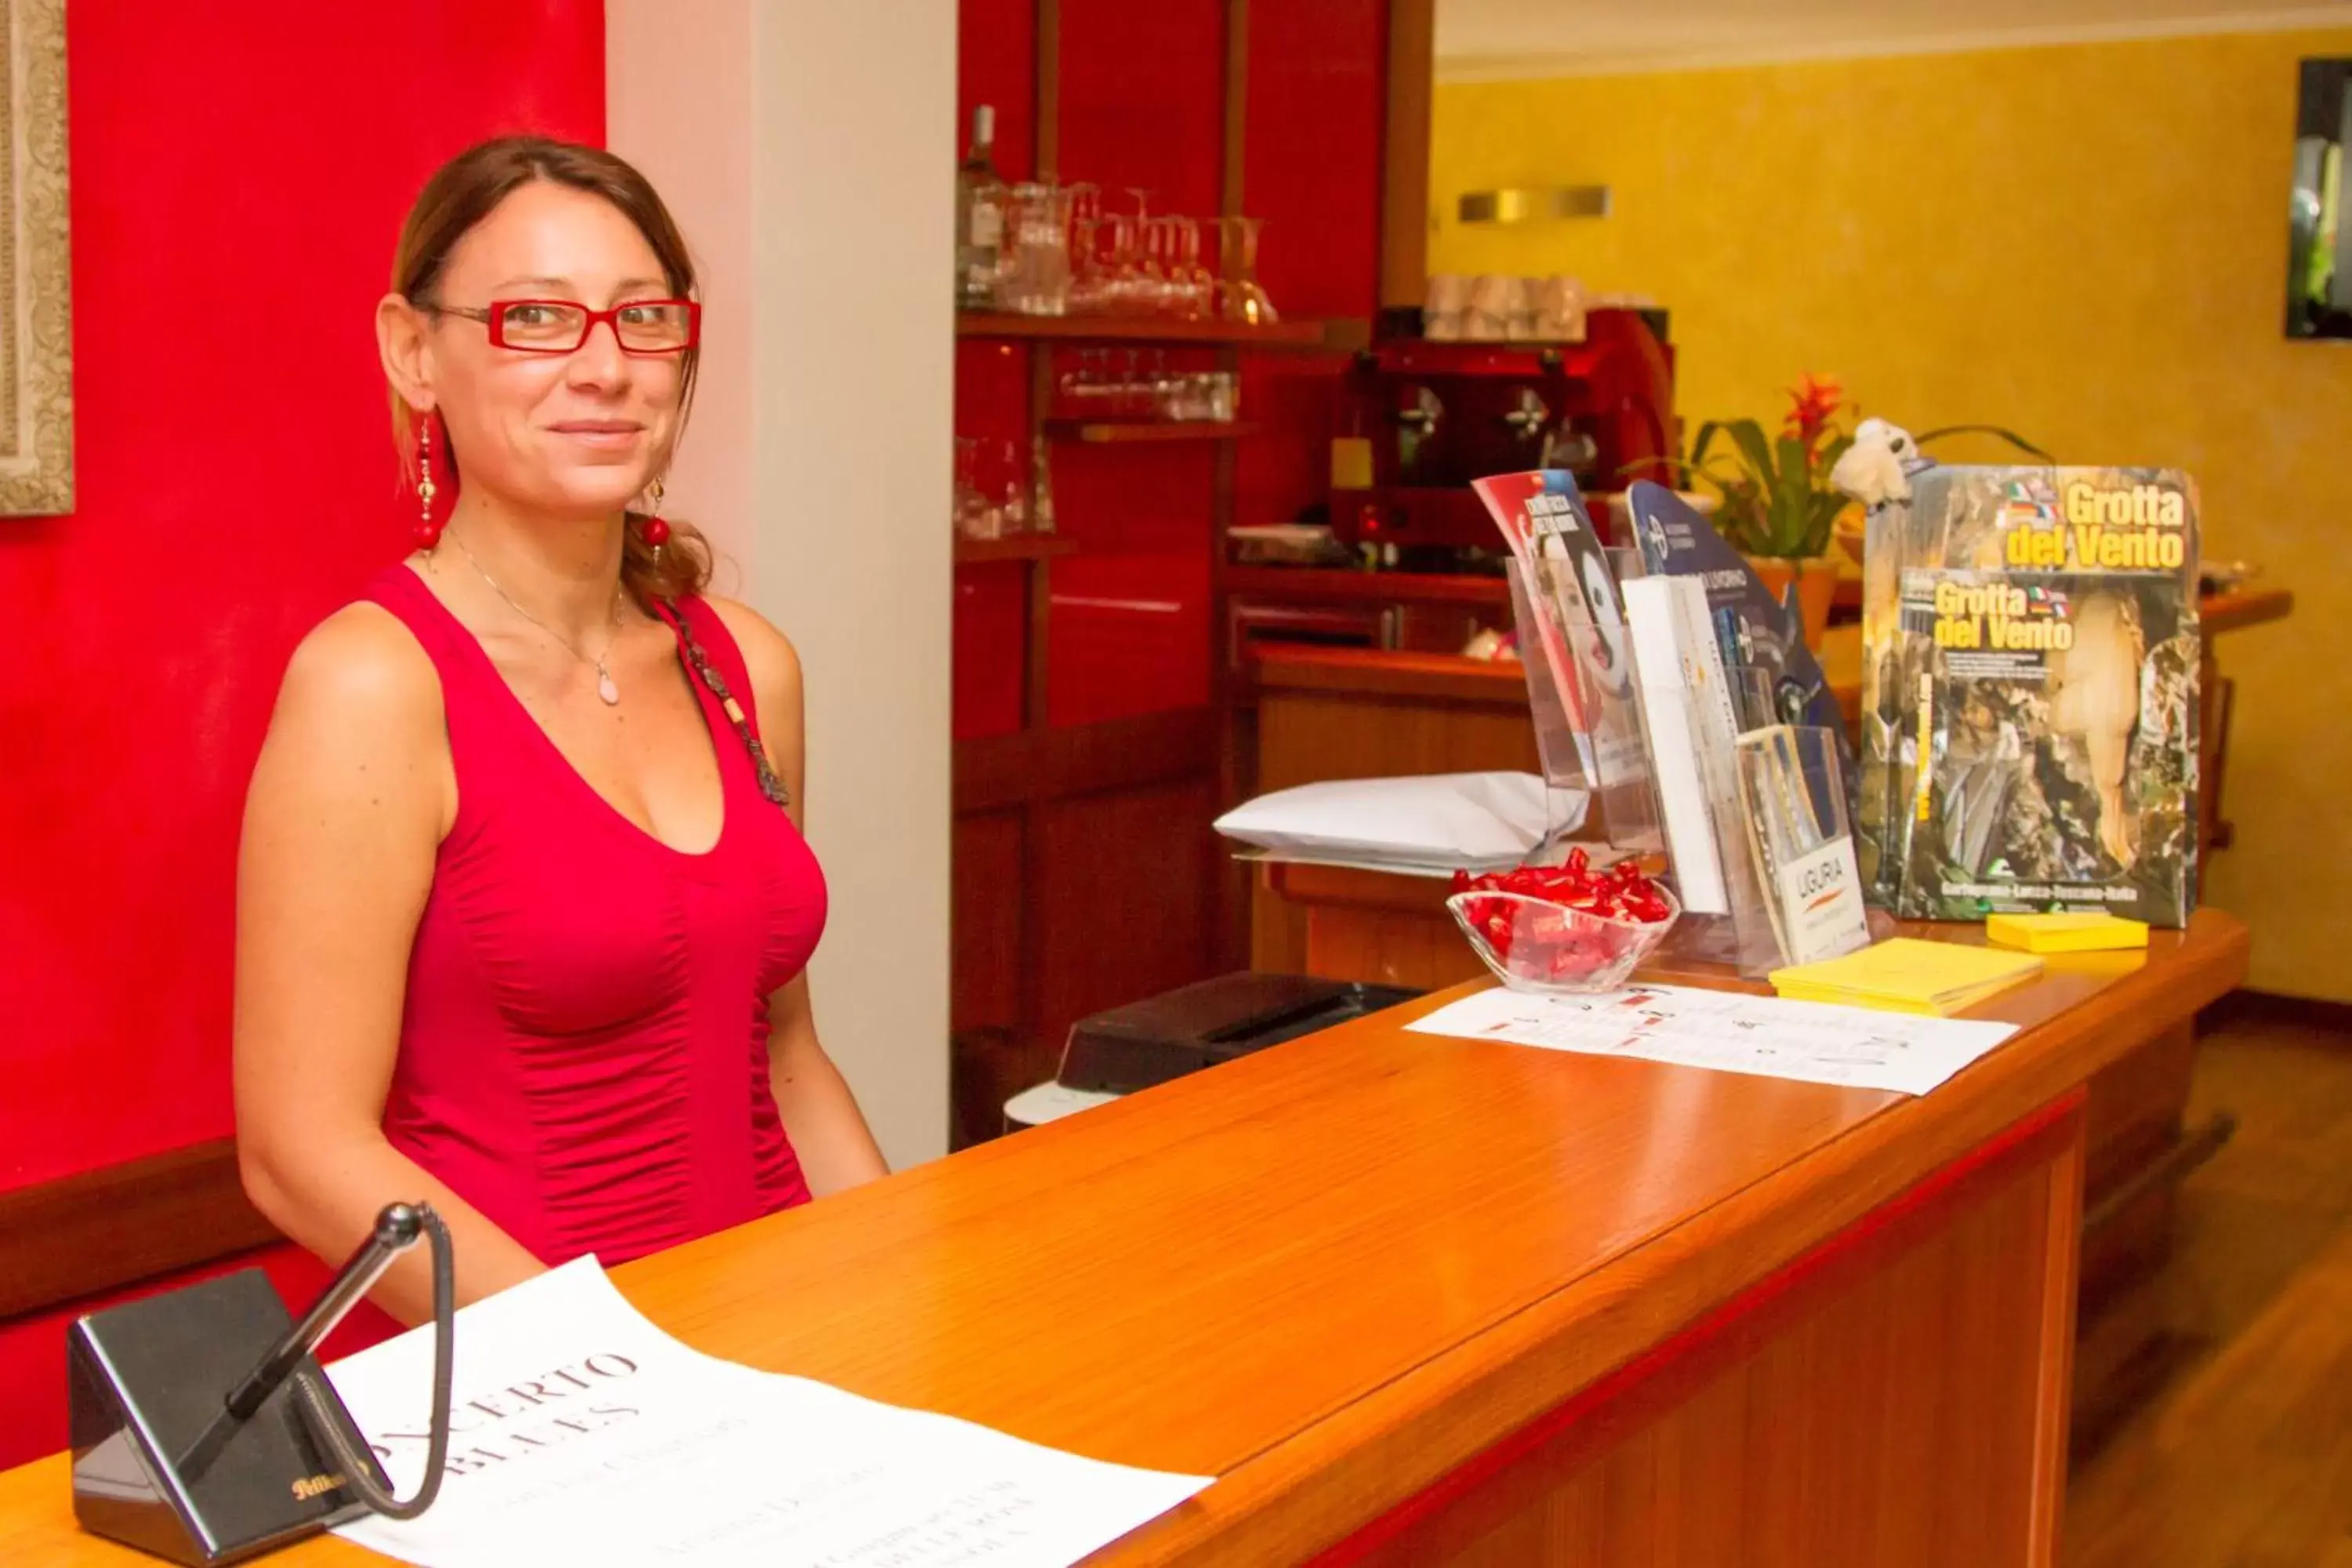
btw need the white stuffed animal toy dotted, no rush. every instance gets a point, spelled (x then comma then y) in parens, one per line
(1877, 467)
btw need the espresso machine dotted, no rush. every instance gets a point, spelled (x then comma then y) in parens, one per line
(1420, 419)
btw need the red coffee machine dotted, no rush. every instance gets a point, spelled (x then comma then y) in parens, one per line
(1419, 420)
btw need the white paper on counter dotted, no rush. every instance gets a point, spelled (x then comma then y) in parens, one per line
(584, 1436)
(1816, 1042)
(1435, 822)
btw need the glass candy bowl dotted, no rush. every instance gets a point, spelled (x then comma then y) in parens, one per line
(1536, 945)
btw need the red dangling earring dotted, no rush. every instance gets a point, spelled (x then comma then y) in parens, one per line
(657, 531)
(428, 531)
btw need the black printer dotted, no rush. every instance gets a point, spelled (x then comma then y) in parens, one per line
(1199, 1025)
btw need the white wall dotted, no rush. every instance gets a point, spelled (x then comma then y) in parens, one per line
(695, 142)
(808, 151)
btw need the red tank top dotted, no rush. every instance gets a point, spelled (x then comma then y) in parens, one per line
(583, 1051)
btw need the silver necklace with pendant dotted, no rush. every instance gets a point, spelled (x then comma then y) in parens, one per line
(605, 688)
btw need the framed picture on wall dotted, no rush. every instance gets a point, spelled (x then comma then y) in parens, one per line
(36, 476)
(2319, 243)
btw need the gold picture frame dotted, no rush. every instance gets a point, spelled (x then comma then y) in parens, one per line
(36, 472)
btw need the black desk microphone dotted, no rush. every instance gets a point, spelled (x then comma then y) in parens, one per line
(204, 1430)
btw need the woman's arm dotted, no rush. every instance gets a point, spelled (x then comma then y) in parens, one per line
(348, 804)
(837, 1148)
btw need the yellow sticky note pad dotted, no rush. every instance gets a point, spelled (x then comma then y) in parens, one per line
(1905, 975)
(2085, 932)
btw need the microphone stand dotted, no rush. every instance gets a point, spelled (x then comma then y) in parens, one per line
(251, 1478)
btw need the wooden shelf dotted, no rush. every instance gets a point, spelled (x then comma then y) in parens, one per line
(1337, 336)
(1019, 547)
(1325, 584)
(1118, 432)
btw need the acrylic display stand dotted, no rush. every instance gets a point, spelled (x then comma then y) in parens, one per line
(1743, 937)
(1792, 792)
(1604, 758)
(1592, 738)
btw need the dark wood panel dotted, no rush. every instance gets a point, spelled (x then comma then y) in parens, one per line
(1000, 771)
(1326, 584)
(2135, 1110)
(2329, 1022)
(1387, 675)
(1014, 547)
(1231, 198)
(1048, 105)
(992, 772)
(988, 919)
(108, 1228)
(1129, 753)
(1123, 899)
(1305, 738)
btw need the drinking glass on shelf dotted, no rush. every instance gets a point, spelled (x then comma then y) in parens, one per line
(1161, 390)
(1146, 279)
(1089, 276)
(1034, 280)
(1223, 396)
(1131, 393)
(974, 517)
(1159, 265)
(1086, 388)
(1007, 488)
(1246, 301)
(1199, 284)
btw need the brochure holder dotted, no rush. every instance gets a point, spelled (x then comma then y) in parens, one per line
(1606, 760)
(1792, 797)
(1741, 937)
(1609, 756)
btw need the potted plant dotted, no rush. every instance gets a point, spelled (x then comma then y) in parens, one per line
(1775, 503)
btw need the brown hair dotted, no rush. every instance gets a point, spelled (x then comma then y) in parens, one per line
(464, 191)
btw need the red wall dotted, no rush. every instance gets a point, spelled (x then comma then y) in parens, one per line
(238, 178)
(1142, 105)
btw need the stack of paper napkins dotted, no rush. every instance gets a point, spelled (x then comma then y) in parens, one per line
(1432, 823)
(1907, 975)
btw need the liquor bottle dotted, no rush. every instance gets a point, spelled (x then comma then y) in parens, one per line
(980, 215)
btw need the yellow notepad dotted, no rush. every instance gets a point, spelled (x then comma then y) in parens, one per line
(1907, 975)
(2091, 931)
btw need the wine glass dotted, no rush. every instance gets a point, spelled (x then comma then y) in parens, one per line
(1246, 301)
(1089, 276)
(1199, 283)
(1146, 279)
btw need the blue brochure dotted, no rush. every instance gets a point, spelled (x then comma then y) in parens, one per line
(1753, 628)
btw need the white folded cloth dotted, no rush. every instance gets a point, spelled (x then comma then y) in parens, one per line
(1432, 824)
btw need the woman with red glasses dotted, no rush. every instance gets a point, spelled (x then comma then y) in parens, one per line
(523, 903)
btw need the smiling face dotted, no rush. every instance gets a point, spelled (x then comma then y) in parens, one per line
(575, 434)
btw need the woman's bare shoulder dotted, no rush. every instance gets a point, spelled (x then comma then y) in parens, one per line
(360, 673)
(768, 656)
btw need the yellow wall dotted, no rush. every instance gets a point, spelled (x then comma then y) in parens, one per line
(2086, 244)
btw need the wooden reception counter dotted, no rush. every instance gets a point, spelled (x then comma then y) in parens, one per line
(1416, 1300)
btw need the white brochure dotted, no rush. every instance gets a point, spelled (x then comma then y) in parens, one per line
(587, 1437)
(1819, 1042)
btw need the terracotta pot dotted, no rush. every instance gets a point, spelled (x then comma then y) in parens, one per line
(1816, 579)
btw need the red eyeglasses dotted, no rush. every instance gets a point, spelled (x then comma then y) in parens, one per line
(562, 326)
